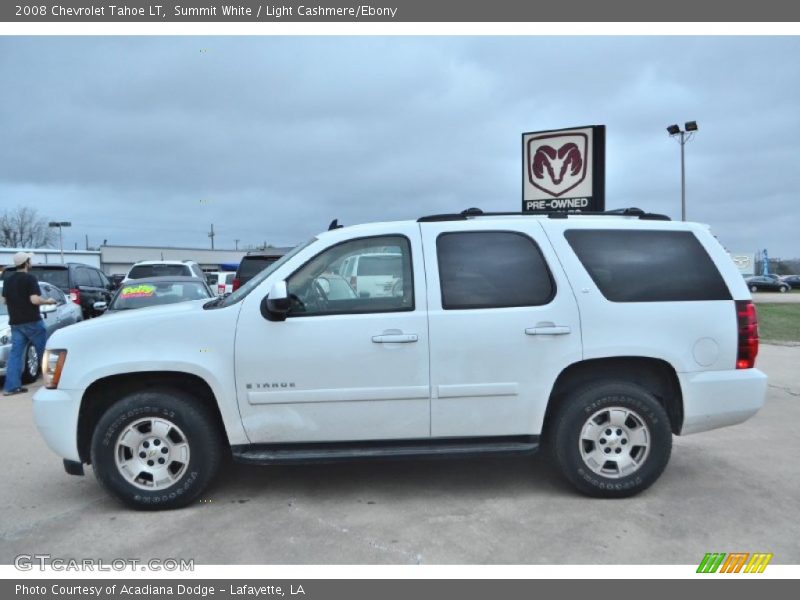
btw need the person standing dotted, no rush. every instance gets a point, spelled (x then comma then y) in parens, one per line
(23, 296)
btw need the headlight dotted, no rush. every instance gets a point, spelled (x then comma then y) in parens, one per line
(5, 336)
(52, 365)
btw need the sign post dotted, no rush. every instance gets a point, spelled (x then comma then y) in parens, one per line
(564, 170)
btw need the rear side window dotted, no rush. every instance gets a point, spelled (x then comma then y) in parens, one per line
(82, 277)
(58, 277)
(648, 266)
(492, 269)
(391, 265)
(253, 265)
(94, 277)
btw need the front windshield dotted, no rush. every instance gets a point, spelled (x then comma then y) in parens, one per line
(141, 295)
(255, 281)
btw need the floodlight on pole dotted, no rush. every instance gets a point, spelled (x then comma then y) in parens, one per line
(683, 136)
(60, 225)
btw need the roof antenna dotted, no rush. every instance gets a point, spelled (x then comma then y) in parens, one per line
(334, 225)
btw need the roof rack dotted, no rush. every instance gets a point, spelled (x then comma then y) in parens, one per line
(477, 212)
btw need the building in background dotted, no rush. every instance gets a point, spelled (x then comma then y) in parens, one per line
(119, 259)
(49, 256)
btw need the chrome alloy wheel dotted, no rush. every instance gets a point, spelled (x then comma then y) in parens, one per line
(152, 453)
(32, 361)
(614, 442)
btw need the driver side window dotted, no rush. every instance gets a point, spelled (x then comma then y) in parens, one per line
(367, 275)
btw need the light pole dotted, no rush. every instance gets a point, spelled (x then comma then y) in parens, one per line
(683, 136)
(60, 225)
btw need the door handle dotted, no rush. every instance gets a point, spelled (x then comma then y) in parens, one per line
(395, 338)
(549, 330)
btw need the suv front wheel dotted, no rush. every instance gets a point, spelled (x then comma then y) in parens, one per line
(612, 439)
(156, 449)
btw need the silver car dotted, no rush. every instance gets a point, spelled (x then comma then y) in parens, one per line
(54, 316)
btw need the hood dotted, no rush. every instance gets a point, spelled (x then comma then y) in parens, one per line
(125, 322)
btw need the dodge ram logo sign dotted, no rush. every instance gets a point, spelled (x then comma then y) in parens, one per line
(564, 170)
(557, 171)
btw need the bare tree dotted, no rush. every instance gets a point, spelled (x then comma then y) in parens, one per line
(22, 227)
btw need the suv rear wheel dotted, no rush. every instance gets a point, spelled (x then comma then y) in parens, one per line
(612, 439)
(156, 449)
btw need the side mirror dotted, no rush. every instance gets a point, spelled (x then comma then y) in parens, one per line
(275, 305)
(100, 306)
(47, 308)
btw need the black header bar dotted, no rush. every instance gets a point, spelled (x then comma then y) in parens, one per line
(406, 11)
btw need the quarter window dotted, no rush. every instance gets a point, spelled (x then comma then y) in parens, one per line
(82, 277)
(492, 269)
(648, 266)
(334, 283)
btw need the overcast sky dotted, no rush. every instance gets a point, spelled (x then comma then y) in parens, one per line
(150, 140)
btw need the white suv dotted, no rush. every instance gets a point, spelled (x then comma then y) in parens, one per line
(373, 275)
(159, 268)
(507, 332)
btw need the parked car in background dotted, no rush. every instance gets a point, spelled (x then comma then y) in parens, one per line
(251, 265)
(54, 316)
(764, 283)
(792, 280)
(221, 282)
(83, 284)
(377, 275)
(156, 291)
(164, 268)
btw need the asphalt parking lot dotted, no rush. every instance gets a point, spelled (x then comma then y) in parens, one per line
(734, 489)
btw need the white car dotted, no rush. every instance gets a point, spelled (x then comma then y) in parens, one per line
(145, 269)
(373, 275)
(221, 282)
(505, 332)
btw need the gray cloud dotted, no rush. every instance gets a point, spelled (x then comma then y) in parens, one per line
(151, 139)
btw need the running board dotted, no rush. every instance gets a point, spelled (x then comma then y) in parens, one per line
(272, 454)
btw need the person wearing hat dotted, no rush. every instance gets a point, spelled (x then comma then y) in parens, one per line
(23, 296)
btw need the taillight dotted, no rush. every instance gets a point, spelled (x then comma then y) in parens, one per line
(747, 323)
(75, 295)
(236, 284)
(221, 289)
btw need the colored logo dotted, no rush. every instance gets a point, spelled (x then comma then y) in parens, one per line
(138, 291)
(736, 562)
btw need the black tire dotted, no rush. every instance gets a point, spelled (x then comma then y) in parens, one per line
(783, 289)
(576, 411)
(753, 288)
(29, 376)
(196, 428)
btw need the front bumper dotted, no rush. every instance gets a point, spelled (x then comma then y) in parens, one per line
(56, 415)
(713, 399)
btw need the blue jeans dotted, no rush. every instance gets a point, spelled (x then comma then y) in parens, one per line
(35, 333)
